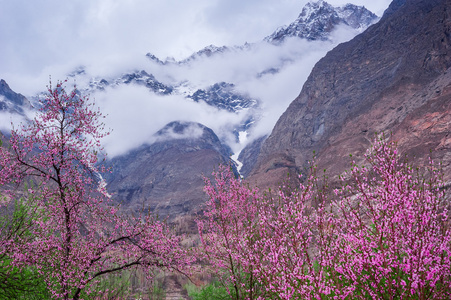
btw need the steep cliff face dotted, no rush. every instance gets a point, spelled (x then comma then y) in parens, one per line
(249, 155)
(394, 77)
(167, 176)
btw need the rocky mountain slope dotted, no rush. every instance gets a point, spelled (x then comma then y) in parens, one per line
(167, 175)
(395, 77)
(222, 95)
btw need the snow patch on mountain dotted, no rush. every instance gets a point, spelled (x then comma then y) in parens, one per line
(224, 96)
(242, 141)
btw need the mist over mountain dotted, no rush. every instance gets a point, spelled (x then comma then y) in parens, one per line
(176, 120)
(14, 107)
(230, 89)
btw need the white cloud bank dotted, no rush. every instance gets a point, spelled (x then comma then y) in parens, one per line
(135, 113)
(110, 37)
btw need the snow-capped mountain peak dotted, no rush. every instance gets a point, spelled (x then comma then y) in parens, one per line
(231, 78)
(206, 52)
(155, 59)
(312, 9)
(319, 18)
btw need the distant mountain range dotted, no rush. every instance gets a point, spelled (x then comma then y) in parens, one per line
(166, 175)
(317, 21)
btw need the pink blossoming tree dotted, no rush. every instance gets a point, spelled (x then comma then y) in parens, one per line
(79, 234)
(227, 231)
(384, 235)
(263, 243)
(295, 229)
(394, 239)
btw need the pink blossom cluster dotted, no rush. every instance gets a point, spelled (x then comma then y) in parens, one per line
(78, 233)
(384, 235)
(225, 231)
(394, 236)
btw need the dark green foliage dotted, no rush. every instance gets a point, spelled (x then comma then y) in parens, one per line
(21, 284)
(212, 291)
(18, 283)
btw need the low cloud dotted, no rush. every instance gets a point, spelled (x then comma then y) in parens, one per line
(135, 114)
(272, 74)
(190, 131)
(9, 121)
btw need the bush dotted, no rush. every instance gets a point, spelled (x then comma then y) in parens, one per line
(16, 224)
(212, 291)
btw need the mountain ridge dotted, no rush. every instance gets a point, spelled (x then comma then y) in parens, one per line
(373, 83)
(318, 19)
(11, 101)
(166, 176)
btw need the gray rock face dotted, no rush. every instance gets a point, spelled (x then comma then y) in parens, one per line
(248, 156)
(379, 81)
(138, 77)
(167, 176)
(223, 96)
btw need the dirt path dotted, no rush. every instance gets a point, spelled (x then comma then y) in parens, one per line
(174, 289)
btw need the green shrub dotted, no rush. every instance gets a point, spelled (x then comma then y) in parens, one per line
(212, 291)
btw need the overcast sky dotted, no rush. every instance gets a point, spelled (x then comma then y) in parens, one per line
(110, 37)
(43, 37)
